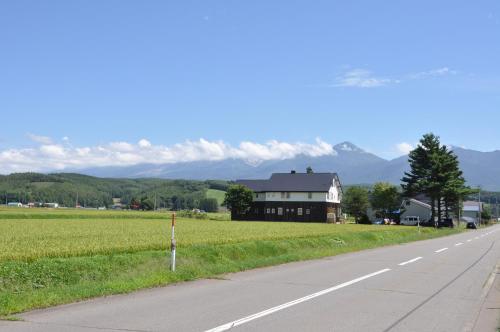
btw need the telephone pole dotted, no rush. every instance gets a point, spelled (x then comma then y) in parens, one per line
(479, 205)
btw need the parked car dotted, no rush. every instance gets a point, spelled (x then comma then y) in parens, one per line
(447, 222)
(378, 221)
(471, 225)
(410, 221)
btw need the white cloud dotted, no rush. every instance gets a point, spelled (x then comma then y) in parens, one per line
(404, 148)
(144, 143)
(433, 73)
(39, 139)
(361, 78)
(48, 157)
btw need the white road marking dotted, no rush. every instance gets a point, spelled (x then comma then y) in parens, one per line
(476, 238)
(469, 240)
(440, 250)
(410, 261)
(458, 244)
(247, 319)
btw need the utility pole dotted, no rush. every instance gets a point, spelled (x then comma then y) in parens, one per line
(154, 209)
(76, 202)
(479, 205)
(496, 207)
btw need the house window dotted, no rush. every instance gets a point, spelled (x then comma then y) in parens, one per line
(283, 194)
(293, 210)
(256, 210)
(268, 210)
(280, 211)
(309, 195)
(308, 211)
(287, 210)
(273, 211)
(299, 211)
(288, 195)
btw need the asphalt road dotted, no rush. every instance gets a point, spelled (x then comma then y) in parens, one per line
(445, 284)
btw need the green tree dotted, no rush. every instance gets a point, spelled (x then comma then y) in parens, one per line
(435, 172)
(355, 202)
(309, 170)
(385, 199)
(209, 204)
(238, 199)
(146, 204)
(486, 214)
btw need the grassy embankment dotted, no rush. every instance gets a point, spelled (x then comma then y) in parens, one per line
(53, 257)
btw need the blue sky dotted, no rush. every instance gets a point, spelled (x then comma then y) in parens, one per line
(377, 74)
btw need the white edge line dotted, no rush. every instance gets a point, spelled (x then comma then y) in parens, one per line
(410, 261)
(269, 311)
(458, 244)
(440, 250)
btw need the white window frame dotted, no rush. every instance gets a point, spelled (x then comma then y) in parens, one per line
(300, 211)
(280, 211)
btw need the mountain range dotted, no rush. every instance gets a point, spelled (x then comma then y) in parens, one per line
(353, 164)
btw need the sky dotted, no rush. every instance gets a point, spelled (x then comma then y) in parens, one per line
(97, 83)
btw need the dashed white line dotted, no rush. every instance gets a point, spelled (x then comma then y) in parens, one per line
(476, 238)
(440, 250)
(247, 319)
(469, 240)
(410, 261)
(458, 244)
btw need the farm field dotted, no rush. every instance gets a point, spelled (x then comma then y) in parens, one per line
(49, 257)
(217, 194)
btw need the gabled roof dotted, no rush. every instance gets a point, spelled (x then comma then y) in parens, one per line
(416, 201)
(298, 182)
(255, 185)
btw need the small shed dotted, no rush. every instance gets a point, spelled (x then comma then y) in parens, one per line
(15, 204)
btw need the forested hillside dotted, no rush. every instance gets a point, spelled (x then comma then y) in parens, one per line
(66, 188)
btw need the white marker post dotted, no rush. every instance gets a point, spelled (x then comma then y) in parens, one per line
(172, 245)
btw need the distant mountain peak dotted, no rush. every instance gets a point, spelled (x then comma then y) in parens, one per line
(347, 146)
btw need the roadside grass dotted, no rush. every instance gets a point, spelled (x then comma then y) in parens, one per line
(46, 262)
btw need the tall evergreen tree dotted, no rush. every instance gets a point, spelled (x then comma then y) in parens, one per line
(435, 172)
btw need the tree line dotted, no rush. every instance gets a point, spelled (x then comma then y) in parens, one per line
(69, 189)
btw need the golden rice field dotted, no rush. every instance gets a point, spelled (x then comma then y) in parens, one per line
(104, 232)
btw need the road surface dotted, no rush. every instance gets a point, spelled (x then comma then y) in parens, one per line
(444, 284)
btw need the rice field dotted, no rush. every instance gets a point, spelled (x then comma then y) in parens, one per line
(90, 234)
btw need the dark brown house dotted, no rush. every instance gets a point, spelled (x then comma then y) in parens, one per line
(294, 196)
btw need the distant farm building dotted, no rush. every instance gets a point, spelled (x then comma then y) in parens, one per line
(313, 197)
(15, 204)
(51, 205)
(416, 208)
(472, 211)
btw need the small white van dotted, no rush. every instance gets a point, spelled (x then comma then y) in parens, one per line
(410, 221)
